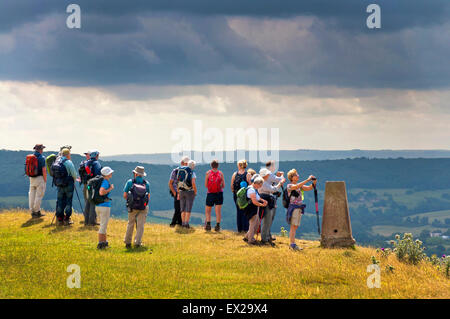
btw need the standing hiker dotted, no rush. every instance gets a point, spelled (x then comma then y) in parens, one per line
(275, 177)
(296, 207)
(83, 179)
(252, 210)
(187, 190)
(35, 169)
(93, 169)
(64, 177)
(137, 194)
(268, 192)
(176, 219)
(101, 191)
(214, 182)
(238, 177)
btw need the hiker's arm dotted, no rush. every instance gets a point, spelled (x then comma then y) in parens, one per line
(125, 195)
(44, 173)
(171, 187)
(257, 203)
(194, 186)
(222, 185)
(309, 187)
(301, 184)
(104, 191)
(232, 181)
(206, 179)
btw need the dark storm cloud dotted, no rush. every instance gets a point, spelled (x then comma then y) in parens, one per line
(192, 42)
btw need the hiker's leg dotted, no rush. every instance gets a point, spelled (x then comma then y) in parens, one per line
(208, 213)
(60, 203)
(292, 234)
(130, 227)
(245, 222)
(69, 193)
(104, 214)
(40, 191)
(32, 194)
(86, 205)
(218, 209)
(253, 227)
(273, 218)
(238, 215)
(266, 223)
(92, 213)
(140, 226)
(188, 216)
(176, 219)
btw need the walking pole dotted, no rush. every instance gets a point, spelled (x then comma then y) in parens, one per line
(317, 206)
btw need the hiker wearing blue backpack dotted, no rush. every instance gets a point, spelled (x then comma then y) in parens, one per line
(101, 190)
(36, 170)
(295, 196)
(173, 189)
(137, 194)
(270, 193)
(252, 209)
(64, 177)
(92, 169)
(187, 190)
(238, 177)
(214, 183)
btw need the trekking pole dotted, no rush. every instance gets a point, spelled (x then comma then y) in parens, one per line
(79, 201)
(317, 207)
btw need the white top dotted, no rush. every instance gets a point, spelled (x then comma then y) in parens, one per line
(250, 191)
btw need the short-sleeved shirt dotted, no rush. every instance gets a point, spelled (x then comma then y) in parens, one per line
(41, 162)
(293, 199)
(139, 180)
(106, 185)
(173, 178)
(252, 190)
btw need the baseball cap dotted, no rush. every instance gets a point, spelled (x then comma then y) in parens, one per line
(94, 153)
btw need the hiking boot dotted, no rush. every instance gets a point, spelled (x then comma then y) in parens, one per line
(294, 247)
(217, 228)
(37, 214)
(208, 227)
(273, 238)
(68, 222)
(187, 226)
(128, 246)
(101, 245)
(139, 245)
(172, 225)
(245, 239)
(33, 215)
(59, 222)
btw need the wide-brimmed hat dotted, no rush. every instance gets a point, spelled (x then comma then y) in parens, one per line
(106, 171)
(140, 170)
(38, 147)
(264, 172)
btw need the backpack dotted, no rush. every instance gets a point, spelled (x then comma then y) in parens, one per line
(238, 179)
(59, 173)
(82, 173)
(287, 198)
(214, 182)
(49, 162)
(184, 178)
(88, 167)
(137, 197)
(242, 201)
(31, 165)
(93, 190)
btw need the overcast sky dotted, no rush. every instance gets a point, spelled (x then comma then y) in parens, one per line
(137, 70)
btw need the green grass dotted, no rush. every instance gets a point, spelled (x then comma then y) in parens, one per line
(34, 257)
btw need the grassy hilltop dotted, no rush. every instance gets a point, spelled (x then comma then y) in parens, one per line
(34, 257)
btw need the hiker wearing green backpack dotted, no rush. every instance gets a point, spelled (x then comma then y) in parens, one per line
(99, 189)
(35, 169)
(241, 175)
(137, 194)
(214, 183)
(295, 193)
(251, 202)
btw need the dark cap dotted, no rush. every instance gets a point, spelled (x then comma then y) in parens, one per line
(38, 147)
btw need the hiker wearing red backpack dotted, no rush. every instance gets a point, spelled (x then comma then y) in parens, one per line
(137, 194)
(36, 170)
(214, 182)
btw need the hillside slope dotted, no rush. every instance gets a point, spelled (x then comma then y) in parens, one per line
(34, 257)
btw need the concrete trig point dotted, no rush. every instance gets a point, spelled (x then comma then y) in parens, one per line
(336, 226)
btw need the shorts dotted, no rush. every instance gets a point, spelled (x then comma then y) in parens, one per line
(103, 213)
(296, 217)
(186, 201)
(214, 199)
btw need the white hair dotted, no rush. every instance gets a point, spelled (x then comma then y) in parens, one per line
(191, 164)
(185, 159)
(257, 179)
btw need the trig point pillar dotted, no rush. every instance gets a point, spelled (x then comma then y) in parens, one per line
(336, 226)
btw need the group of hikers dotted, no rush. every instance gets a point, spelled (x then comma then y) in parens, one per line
(255, 195)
